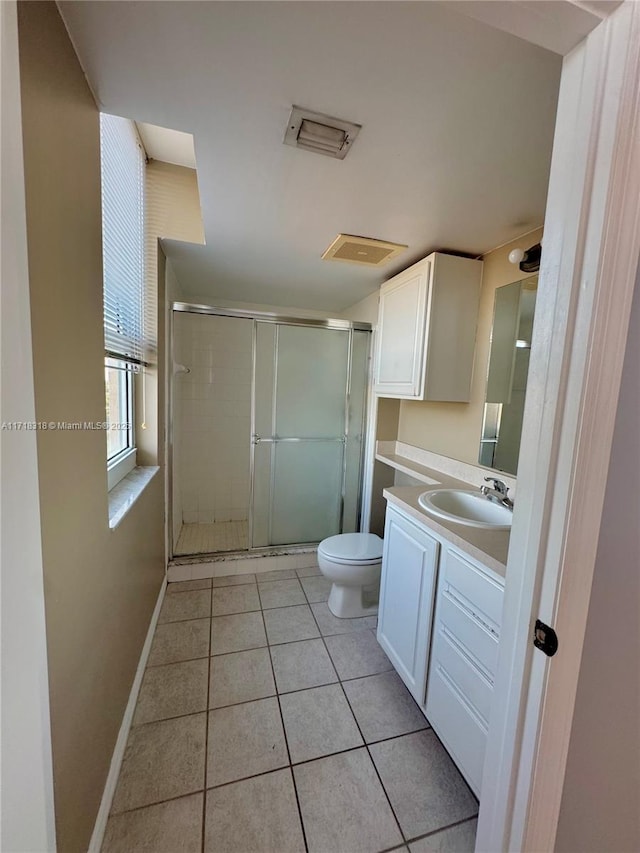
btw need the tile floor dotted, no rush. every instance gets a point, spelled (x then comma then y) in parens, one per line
(212, 538)
(266, 725)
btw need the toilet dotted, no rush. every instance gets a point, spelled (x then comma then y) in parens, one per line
(352, 562)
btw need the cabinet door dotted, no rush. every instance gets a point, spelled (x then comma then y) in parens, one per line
(407, 589)
(401, 334)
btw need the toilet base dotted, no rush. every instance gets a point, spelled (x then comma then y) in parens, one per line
(350, 602)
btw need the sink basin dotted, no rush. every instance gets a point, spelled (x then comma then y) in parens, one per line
(466, 507)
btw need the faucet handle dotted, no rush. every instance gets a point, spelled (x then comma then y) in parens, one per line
(498, 485)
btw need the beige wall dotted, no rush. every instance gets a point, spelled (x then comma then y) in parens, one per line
(365, 311)
(172, 209)
(100, 585)
(453, 429)
(600, 807)
(173, 202)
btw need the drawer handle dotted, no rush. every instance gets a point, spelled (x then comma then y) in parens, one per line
(466, 605)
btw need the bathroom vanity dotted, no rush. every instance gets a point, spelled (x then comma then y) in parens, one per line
(439, 620)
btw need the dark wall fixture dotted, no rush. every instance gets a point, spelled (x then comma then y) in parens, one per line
(531, 260)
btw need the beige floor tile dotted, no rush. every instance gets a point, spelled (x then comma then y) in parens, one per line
(245, 740)
(186, 605)
(236, 633)
(162, 760)
(343, 805)
(318, 722)
(316, 588)
(281, 593)
(287, 624)
(383, 706)
(233, 580)
(163, 828)
(423, 784)
(330, 624)
(188, 586)
(309, 571)
(172, 691)
(457, 839)
(176, 641)
(275, 575)
(240, 677)
(259, 814)
(301, 665)
(235, 599)
(357, 655)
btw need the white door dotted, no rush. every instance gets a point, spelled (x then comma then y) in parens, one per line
(407, 588)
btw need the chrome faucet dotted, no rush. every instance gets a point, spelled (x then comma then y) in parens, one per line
(498, 493)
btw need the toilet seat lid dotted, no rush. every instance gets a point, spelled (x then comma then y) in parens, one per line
(352, 547)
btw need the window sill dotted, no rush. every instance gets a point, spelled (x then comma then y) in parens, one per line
(124, 495)
(119, 468)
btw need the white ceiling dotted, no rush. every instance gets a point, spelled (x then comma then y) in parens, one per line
(453, 154)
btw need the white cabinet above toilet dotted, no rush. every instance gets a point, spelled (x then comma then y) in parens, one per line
(427, 330)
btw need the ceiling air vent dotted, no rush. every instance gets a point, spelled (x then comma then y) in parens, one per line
(320, 133)
(362, 250)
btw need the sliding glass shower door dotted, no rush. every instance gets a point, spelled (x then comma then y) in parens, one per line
(309, 392)
(266, 430)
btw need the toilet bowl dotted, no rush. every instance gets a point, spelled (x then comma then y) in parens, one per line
(352, 562)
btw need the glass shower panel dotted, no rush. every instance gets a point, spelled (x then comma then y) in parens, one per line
(311, 382)
(299, 438)
(307, 491)
(355, 433)
(211, 400)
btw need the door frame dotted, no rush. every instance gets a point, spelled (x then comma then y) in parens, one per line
(28, 819)
(587, 279)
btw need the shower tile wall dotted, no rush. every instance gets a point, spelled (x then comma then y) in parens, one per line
(213, 403)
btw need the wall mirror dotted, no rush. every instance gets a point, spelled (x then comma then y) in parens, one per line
(513, 313)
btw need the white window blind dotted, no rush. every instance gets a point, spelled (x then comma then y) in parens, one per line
(122, 163)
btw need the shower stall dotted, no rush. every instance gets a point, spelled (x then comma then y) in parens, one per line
(266, 429)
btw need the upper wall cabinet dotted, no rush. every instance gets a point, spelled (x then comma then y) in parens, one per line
(427, 330)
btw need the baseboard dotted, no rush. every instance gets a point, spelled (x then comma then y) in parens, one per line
(118, 752)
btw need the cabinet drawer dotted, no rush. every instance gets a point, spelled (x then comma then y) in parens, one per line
(449, 656)
(457, 726)
(477, 641)
(475, 590)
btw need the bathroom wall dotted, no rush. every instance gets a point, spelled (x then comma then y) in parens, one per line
(213, 405)
(101, 585)
(172, 210)
(599, 809)
(453, 429)
(365, 311)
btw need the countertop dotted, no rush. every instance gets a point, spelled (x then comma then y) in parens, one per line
(488, 547)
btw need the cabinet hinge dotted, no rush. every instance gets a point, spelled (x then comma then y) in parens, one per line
(545, 639)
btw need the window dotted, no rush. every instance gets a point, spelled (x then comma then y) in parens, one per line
(122, 167)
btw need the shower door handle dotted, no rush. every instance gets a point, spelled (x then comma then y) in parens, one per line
(258, 439)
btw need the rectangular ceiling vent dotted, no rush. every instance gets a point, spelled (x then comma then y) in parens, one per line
(320, 133)
(362, 250)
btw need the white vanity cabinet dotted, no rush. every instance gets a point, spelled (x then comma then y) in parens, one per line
(464, 653)
(427, 329)
(439, 621)
(407, 589)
